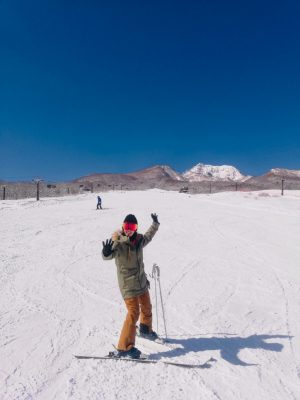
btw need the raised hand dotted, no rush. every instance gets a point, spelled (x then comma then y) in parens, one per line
(155, 218)
(107, 247)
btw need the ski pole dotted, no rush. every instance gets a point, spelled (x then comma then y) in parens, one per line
(156, 304)
(156, 275)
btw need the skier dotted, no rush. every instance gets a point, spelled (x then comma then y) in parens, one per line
(99, 204)
(126, 247)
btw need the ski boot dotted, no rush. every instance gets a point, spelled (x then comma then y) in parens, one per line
(133, 353)
(144, 332)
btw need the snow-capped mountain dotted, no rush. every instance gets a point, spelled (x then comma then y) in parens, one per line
(283, 172)
(202, 172)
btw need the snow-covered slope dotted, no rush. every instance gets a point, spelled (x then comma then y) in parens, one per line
(230, 282)
(201, 172)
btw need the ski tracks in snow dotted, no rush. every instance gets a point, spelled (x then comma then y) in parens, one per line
(243, 246)
(192, 265)
(51, 305)
(287, 322)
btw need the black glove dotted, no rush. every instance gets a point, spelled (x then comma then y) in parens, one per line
(154, 217)
(107, 247)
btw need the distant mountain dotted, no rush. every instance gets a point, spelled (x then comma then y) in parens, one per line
(285, 173)
(275, 176)
(157, 172)
(203, 172)
(106, 179)
(159, 175)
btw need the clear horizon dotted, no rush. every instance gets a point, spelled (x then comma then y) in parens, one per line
(114, 88)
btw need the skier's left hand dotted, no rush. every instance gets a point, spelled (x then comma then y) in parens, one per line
(155, 218)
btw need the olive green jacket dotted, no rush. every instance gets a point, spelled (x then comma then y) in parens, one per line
(129, 261)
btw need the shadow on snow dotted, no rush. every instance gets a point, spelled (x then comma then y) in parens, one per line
(229, 347)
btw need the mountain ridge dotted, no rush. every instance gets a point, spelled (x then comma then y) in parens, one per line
(197, 174)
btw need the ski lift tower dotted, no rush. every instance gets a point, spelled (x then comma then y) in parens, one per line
(37, 182)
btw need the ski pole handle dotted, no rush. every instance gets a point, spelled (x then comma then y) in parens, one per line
(155, 271)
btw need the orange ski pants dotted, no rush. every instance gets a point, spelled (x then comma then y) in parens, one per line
(136, 306)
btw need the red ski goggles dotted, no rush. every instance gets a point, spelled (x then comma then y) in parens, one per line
(128, 226)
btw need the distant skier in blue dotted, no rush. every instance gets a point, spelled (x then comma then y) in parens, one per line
(99, 204)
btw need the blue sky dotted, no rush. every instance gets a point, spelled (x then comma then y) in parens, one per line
(115, 86)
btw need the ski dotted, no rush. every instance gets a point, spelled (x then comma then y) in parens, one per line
(144, 360)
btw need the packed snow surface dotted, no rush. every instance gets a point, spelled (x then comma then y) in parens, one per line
(230, 284)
